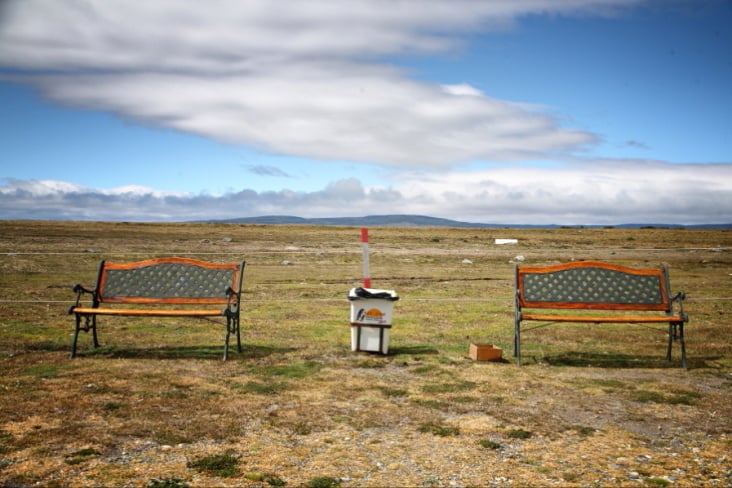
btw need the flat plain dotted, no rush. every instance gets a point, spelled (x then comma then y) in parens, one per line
(593, 405)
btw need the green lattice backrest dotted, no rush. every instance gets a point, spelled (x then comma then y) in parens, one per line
(171, 280)
(593, 285)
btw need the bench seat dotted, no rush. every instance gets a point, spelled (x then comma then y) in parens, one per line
(630, 319)
(138, 312)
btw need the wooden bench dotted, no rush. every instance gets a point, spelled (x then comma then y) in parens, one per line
(163, 287)
(571, 290)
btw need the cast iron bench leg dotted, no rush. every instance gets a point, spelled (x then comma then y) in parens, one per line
(90, 324)
(238, 333)
(76, 336)
(683, 345)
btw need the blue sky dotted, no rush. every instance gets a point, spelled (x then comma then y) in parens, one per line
(494, 111)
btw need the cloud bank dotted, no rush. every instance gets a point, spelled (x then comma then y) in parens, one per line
(656, 193)
(308, 79)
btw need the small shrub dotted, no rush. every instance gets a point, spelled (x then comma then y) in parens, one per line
(570, 476)
(112, 406)
(489, 444)
(437, 429)
(302, 428)
(658, 481)
(5, 439)
(436, 404)
(583, 431)
(323, 482)
(393, 392)
(80, 456)
(223, 465)
(646, 396)
(518, 434)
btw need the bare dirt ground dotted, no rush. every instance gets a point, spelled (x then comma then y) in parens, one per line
(367, 422)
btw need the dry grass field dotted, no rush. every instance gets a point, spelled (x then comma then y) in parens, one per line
(156, 407)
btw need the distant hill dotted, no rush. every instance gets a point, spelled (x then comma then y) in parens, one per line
(369, 220)
(403, 220)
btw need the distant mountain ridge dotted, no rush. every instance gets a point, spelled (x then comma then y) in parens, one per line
(406, 220)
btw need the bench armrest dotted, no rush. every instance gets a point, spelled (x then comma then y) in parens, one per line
(80, 291)
(231, 293)
(679, 298)
(233, 299)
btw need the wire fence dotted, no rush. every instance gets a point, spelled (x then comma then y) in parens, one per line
(503, 250)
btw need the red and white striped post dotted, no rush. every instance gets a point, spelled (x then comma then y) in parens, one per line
(365, 250)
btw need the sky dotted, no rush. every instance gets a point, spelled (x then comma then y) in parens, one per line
(571, 112)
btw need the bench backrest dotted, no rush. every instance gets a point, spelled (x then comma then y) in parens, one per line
(592, 285)
(168, 280)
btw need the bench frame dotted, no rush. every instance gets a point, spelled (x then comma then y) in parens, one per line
(176, 284)
(592, 285)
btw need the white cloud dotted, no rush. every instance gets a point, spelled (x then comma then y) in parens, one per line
(309, 79)
(593, 192)
(314, 80)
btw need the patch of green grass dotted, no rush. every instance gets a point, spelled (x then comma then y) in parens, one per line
(437, 429)
(175, 394)
(42, 371)
(302, 428)
(296, 370)
(393, 392)
(323, 482)
(113, 406)
(223, 465)
(606, 384)
(677, 397)
(370, 363)
(452, 387)
(489, 444)
(426, 368)
(5, 439)
(430, 403)
(266, 388)
(80, 456)
(518, 434)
